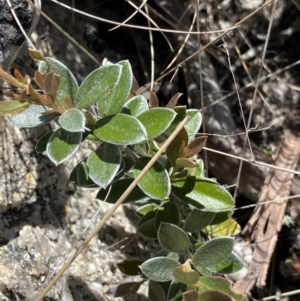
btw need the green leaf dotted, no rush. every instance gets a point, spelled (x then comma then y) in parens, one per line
(167, 213)
(68, 85)
(112, 102)
(181, 113)
(80, 175)
(214, 295)
(156, 292)
(147, 229)
(127, 288)
(173, 238)
(104, 164)
(213, 252)
(135, 106)
(156, 121)
(208, 283)
(62, 145)
(96, 85)
(185, 274)
(203, 194)
(118, 188)
(120, 129)
(166, 253)
(227, 228)
(198, 220)
(194, 123)
(156, 182)
(141, 211)
(146, 226)
(72, 120)
(159, 268)
(32, 117)
(13, 107)
(230, 265)
(175, 291)
(41, 145)
(130, 267)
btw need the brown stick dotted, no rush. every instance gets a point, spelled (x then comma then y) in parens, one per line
(266, 221)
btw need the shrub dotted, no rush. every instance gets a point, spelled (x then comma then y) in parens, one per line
(180, 209)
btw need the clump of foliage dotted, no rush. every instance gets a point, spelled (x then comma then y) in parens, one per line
(180, 209)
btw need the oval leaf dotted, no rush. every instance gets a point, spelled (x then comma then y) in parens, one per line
(227, 228)
(96, 85)
(208, 283)
(167, 213)
(230, 265)
(111, 195)
(173, 238)
(194, 147)
(120, 129)
(135, 106)
(127, 288)
(213, 252)
(203, 194)
(13, 107)
(62, 145)
(80, 175)
(156, 292)
(33, 116)
(156, 182)
(193, 125)
(214, 295)
(68, 85)
(156, 121)
(41, 145)
(141, 211)
(175, 291)
(159, 268)
(185, 274)
(104, 164)
(72, 120)
(130, 267)
(147, 229)
(112, 102)
(198, 220)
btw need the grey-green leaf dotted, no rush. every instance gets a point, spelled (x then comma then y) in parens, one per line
(135, 106)
(62, 145)
(156, 182)
(112, 102)
(213, 252)
(198, 220)
(68, 85)
(72, 120)
(159, 268)
(156, 121)
(96, 85)
(203, 194)
(194, 123)
(173, 238)
(230, 265)
(32, 117)
(120, 129)
(104, 164)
